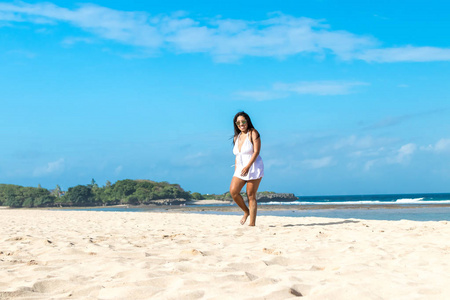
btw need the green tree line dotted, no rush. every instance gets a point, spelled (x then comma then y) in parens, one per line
(134, 192)
(19, 196)
(126, 191)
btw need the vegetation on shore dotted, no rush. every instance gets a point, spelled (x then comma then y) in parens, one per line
(126, 191)
(132, 192)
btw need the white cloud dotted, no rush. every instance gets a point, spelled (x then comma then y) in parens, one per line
(388, 121)
(406, 151)
(118, 170)
(69, 41)
(316, 88)
(405, 54)
(226, 40)
(22, 53)
(50, 168)
(369, 164)
(317, 163)
(193, 160)
(402, 155)
(355, 142)
(130, 28)
(443, 145)
(321, 88)
(8, 16)
(368, 151)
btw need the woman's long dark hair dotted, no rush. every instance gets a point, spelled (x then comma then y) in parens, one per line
(236, 129)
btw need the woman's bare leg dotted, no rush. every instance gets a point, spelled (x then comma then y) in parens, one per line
(235, 190)
(252, 188)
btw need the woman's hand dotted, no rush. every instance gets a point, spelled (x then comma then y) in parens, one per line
(245, 170)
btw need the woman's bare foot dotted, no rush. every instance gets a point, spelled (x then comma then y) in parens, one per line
(244, 218)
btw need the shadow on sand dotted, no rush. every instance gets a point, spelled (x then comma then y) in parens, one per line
(320, 224)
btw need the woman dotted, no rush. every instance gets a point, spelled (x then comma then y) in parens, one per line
(249, 167)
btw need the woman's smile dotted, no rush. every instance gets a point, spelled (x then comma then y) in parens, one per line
(241, 122)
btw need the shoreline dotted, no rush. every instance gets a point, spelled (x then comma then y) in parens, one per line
(432, 212)
(218, 205)
(315, 206)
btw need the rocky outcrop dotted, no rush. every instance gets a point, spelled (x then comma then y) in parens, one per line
(274, 197)
(178, 201)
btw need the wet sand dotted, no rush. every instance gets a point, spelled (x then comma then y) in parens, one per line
(231, 207)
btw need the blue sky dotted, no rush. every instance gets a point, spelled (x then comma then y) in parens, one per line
(350, 97)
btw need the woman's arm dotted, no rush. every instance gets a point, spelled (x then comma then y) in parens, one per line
(256, 149)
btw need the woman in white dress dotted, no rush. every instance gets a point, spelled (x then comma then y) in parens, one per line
(249, 167)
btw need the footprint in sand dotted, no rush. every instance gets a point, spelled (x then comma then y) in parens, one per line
(251, 276)
(22, 292)
(279, 260)
(32, 263)
(271, 251)
(52, 286)
(191, 252)
(16, 238)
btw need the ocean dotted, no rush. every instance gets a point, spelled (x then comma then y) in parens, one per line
(414, 207)
(398, 199)
(425, 213)
(393, 207)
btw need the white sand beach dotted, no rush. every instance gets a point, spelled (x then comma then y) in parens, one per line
(124, 255)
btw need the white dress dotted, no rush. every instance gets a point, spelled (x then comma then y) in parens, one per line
(256, 171)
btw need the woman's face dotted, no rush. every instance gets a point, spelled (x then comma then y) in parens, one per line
(241, 123)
